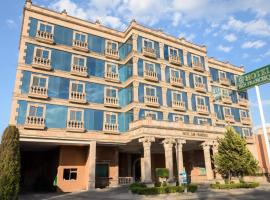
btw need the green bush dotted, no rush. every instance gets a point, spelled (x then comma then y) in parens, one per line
(235, 185)
(192, 188)
(162, 172)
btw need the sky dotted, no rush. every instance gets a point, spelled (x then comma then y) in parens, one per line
(233, 30)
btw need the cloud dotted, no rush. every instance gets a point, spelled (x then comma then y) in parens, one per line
(253, 44)
(230, 37)
(188, 37)
(10, 23)
(176, 19)
(224, 48)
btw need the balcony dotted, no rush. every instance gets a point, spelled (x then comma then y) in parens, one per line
(111, 53)
(75, 126)
(202, 109)
(229, 118)
(198, 67)
(80, 46)
(110, 128)
(38, 92)
(200, 87)
(125, 180)
(224, 81)
(220, 122)
(150, 75)
(178, 105)
(79, 70)
(177, 82)
(111, 76)
(174, 60)
(42, 63)
(111, 102)
(243, 102)
(151, 101)
(245, 120)
(33, 122)
(77, 97)
(226, 99)
(45, 37)
(149, 52)
(249, 139)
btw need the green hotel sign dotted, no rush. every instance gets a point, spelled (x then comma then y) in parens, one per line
(251, 79)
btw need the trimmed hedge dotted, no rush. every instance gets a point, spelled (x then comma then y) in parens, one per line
(235, 185)
(139, 188)
(162, 172)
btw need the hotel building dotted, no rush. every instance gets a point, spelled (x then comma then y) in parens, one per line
(98, 107)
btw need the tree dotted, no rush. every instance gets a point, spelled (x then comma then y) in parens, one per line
(10, 164)
(233, 157)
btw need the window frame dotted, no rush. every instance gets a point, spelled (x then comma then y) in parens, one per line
(113, 42)
(71, 170)
(201, 97)
(152, 113)
(222, 72)
(227, 108)
(148, 40)
(110, 88)
(198, 76)
(76, 110)
(78, 56)
(42, 48)
(246, 129)
(180, 117)
(176, 70)
(110, 113)
(36, 105)
(110, 63)
(76, 82)
(46, 24)
(147, 62)
(243, 111)
(39, 76)
(150, 87)
(192, 58)
(174, 49)
(81, 33)
(177, 93)
(204, 120)
(226, 94)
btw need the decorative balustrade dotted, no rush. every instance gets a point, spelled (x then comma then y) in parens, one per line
(229, 118)
(198, 66)
(176, 81)
(202, 109)
(149, 52)
(111, 53)
(178, 105)
(79, 70)
(174, 59)
(77, 97)
(41, 63)
(224, 81)
(200, 87)
(226, 99)
(111, 128)
(245, 120)
(150, 75)
(125, 180)
(111, 76)
(38, 92)
(111, 101)
(44, 36)
(151, 101)
(243, 102)
(75, 126)
(80, 45)
(33, 122)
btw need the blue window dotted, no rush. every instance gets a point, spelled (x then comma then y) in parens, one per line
(79, 61)
(110, 118)
(148, 43)
(42, 53)
(77, 87)
(39, 81)
(111, 92)
(36, 111)
(75, 115)
(80, 37)
(175, 73)
(44, 27)
(150, 91)
(149, 66)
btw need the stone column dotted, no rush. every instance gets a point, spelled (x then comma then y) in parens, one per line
(165, 115)
(135, 91)
(189, 95)
(179, 156)
(134, 42)
(162, 71)
(136, 113)
(161, 50)
(146, 169)
(164, 97)
(207, 160)
(215, 151)
(135, 66)
(91, 165)
(185, 57)
(168, 145)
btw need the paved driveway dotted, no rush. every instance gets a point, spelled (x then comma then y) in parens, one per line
(260, 193)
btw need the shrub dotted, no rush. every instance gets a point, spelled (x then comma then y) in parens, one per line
(192, 188)
(141, 189)
(162, 172)
(235, 185)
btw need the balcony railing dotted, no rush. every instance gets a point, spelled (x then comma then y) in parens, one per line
(42, 63)
(79, 70)
(111, 76)
(33, 122)
(202, 109)
(224, 81)
(149, 52)
(226, 99)
(243, 102)
(151, 101)
(198, 66)
(125, 180)
(45, 37)
(200, 87)
(150, 75)
(176, 81)
(174, 59)
(77, 97)
(111, 53)
(38, 92)
(178, 105)
(75, 126)
(80, 45)
(245, 120)
(111, 128)
(111, 101)
(229, 118)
